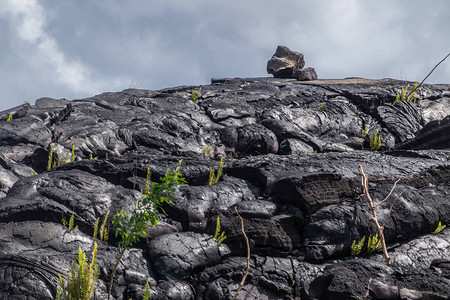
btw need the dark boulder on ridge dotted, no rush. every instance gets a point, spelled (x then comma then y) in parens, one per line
(291, 151)
(286, 63)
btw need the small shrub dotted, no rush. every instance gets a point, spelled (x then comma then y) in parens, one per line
(439, 228)
(82, 280)
(131, 227)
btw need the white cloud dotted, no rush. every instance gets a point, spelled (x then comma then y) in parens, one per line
(27, 19)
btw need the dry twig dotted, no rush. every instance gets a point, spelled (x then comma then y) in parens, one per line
(374, 218)
(413, 90)
(248, 256)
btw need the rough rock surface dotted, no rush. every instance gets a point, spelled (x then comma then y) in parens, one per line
(286, 63)
(291, 152)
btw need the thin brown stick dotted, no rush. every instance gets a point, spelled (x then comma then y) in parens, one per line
(248, 257)
(413, 90)
(387, 197)
(373, 218)
(114, 273)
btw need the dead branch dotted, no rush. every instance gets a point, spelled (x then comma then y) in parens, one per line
(373, 218)
(248, 256)
(414, 89)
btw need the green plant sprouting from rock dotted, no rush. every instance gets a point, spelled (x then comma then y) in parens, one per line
(365, 131)
(195, 96)
(103, 233)
(134, 225)
(321, 106)
(82, 280)
(357, 246)
(373, 244)
(213, 178)
(439, 228)
(408, 93)
(50, 157)
(147, 292)
(375, 140)
(71, 222)
(220, 237)
(10, 118)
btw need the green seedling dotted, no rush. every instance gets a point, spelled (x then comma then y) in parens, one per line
(321, 106)
(357, 247)
(71, 221)
(50, 157)
(130, 227)
(220, 237)
(82, 280)
(9, 118)
(213, 179)
(147, 292)
(195, 96)
(408, 93)
(147, 182)
(374, 244)
(206, 150)
(439, 228)
(365, 131)
(103, 230)
(375, 140)
(72, 158)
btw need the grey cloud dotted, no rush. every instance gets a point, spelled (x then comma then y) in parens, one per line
(156, 44)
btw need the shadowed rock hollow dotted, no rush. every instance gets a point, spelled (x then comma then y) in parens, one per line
(291, 152)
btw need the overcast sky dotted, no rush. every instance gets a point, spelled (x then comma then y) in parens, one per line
(78, 48)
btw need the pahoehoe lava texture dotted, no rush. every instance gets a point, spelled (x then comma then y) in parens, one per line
(291, 152)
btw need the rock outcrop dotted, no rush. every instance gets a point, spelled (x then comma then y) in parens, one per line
(286, 63)
(291, 152)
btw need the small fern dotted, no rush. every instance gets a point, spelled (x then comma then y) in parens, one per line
(195, 96)
(71, 221)
(213, 178)
(408, 93)
(50, 157)
(104, 230)
(147, 292)
(82, 280)
(439, 228)
(365, 131)
(357, 247)
(96, 228)
(220, 237)
(148, 182)
(374, 244)
(375, 140)
(206, 150)
(72, 158)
